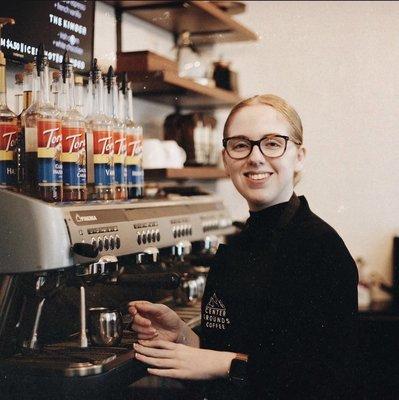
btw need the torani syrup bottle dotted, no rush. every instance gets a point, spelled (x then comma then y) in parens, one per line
(8, 135)
(100, 142)
(73, 131)
(119, 136)
(134, 147)
(49, 139)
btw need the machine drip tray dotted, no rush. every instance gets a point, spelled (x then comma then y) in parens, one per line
(67, 359)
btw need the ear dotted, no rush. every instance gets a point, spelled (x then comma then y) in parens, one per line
(300, 159)
(225, 163)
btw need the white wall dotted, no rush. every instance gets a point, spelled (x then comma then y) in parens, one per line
(336, 63)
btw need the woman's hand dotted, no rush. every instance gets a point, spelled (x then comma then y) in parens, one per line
(178, 361)
(155, 320)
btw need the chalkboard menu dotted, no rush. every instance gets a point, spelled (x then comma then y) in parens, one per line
(59, 25)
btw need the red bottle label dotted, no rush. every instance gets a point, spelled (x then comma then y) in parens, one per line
(134, 145)
(73, 156)
(119, 143)
(49, 138)
(102, 143)
(73, 144)
(8, 137)
(49, 148)
(103, 152)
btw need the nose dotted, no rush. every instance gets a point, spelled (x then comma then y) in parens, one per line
(256, 156)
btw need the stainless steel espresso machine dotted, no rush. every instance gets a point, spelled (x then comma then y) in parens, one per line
(67, 271)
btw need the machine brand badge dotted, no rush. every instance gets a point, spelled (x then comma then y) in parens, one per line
(85, 218)
(215, 315)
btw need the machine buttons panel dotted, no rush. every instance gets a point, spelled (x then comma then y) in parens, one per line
(148, 236)
(103, 229)
(182, 230)
(106, 243)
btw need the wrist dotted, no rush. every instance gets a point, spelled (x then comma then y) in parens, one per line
(228, 357)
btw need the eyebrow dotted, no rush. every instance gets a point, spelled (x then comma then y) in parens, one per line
(265, 135)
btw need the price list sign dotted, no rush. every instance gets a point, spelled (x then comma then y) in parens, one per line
(59, 25)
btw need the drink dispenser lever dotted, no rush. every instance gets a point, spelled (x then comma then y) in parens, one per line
(86, 250)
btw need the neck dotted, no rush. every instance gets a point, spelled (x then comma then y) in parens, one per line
(282, 198)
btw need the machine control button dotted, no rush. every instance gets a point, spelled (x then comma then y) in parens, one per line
(106, 243)
(93, 242)
(100, 244)
(158, 235)
(111, 242)
(190, 230)
(149, 237)
(174, 230)
(144, 238)
(138, 238)
(178, 231)
(117, 241)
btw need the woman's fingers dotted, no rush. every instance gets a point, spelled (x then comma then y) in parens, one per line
(153, 352)
(143, 329)
(156, 362)
(167, 373)
(144, 307)
(143, 336)
(140, 320)
(159, 344)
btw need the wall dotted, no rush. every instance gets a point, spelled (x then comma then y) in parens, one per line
(336, 63)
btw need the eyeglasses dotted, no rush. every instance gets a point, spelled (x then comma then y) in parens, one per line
(271, 145)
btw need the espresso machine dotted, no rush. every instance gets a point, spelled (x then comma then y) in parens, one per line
(67, 272)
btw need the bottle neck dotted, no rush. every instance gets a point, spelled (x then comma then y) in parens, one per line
(44, 86)
(98, 99)
(70, 91)
(109, 103)
(89, 99)
(122, 111)
(129, 102)
(3, 85)
(27, 91)
(114, 98)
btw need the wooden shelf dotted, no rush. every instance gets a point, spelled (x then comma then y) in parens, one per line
(206, 22)
(168, 88)
(200, 173)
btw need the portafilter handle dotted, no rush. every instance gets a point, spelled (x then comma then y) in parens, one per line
(167, 280)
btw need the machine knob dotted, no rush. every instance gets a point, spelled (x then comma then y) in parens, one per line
(111, 243)
(150, 255)
(182, 248)
(88, 250)
(117, 241)
(106, 243)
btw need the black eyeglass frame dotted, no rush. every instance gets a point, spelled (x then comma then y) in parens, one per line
(257, 143)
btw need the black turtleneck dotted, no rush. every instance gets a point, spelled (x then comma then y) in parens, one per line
(284, 291)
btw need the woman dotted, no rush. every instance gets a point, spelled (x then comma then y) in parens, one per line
(278, 314)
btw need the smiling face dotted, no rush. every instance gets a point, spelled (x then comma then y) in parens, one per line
(263, 181)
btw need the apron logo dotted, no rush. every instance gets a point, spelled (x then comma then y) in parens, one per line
(215, 315)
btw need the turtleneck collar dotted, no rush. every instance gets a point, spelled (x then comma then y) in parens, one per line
(268, 217)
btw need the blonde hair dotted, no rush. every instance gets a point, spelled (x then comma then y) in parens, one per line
(280, 105)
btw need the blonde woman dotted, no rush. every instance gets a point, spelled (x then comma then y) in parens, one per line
(279, 310)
